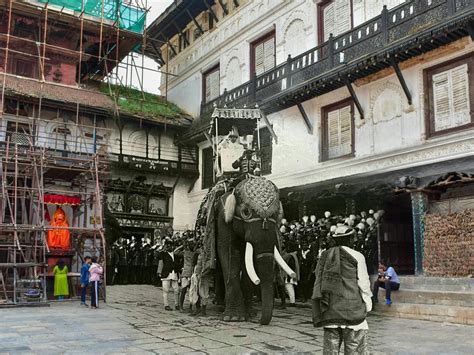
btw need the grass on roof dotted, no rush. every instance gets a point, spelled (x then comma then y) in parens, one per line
(133, 101)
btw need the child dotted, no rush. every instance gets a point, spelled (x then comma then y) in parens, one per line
(85, 279)
(61, 287)
(95, 272)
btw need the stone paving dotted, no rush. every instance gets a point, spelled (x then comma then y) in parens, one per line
(134, 321)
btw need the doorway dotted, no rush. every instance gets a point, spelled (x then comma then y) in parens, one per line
(396, 234)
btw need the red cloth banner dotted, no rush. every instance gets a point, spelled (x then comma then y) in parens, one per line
(61, 200)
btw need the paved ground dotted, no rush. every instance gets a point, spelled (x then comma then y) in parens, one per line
(133, 321)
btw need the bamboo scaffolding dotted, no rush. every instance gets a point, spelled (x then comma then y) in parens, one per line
(28, 155)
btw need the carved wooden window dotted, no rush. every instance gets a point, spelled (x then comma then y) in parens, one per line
(335, 16)
(450, 102)
(262, 54)
(18, 133)
(23, 67)
(207, 168)
(338, 130)
(211, 84)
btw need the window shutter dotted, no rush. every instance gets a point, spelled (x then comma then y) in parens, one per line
(208, 88)
(328, 20)
(259, 59)
(345, 122)
(212, 85)
(342, 16)
(460, 93)
(451, 98)
(269, 54)
(441, 100)
(339, 132)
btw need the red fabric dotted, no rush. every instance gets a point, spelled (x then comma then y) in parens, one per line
(61, 199)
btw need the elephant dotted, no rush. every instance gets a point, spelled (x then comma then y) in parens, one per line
(247, 245)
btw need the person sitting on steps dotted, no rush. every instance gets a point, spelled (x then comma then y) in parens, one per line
(387, 279)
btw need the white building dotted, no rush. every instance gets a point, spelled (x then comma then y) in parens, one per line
(389, 95)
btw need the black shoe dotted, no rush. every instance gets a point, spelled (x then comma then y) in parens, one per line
(168, 308)
(177, 308)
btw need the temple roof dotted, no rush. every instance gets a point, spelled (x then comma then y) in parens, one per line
(131, 103)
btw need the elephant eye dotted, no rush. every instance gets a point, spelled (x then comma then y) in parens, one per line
(246, 212)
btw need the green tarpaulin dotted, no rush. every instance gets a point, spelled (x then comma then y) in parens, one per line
(129, 18)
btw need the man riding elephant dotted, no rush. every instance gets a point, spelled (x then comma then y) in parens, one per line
(239, 219)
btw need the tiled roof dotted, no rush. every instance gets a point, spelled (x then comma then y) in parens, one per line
(92, 97)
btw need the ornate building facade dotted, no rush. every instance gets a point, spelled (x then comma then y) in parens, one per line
(371, 101)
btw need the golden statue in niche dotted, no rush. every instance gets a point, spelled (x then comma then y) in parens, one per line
(59, 238)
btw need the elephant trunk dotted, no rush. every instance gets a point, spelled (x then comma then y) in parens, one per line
(249, 264)
(266, 271)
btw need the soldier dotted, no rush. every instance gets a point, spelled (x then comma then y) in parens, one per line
(122, 251)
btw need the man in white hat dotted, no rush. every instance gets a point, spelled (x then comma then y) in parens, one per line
(342, 296)
(228, 151)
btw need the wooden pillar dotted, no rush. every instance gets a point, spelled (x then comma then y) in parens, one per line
(419, 206)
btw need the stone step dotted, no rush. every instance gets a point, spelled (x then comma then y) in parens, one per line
(438, 283)
(432, 312)
(447, 298)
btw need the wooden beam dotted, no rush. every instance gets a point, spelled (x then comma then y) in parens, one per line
(208, 137)
(181, 34)
(224, 7)
(356, 99)
(470, 29)
(158, 53)
(401, 79)
(195, 22)
(213, 14)
(308, 123)
(270, 128)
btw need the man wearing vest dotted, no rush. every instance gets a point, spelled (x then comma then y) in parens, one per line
(342, 296)
(169, 274)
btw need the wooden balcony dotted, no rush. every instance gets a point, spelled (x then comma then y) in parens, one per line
(406, 31)
(160, 166)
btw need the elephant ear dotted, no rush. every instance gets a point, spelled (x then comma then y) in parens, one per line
(229, 208)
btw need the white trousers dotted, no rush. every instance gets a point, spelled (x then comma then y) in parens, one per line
(167, 285)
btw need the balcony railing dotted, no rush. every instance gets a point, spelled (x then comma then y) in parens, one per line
(162, 166)
(407, 30)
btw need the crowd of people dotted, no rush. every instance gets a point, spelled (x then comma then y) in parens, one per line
(322, 252)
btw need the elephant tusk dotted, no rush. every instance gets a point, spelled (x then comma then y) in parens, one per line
(249, 264)
(283, 263)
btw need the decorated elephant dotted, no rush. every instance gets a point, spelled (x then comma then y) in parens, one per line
(246, 244)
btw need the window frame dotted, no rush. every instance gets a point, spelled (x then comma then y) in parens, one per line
(254, 45)
(324, 156)
(204, 87)
(320, 16)
(428, 74)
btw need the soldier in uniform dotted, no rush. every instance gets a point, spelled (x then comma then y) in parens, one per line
(122, 251)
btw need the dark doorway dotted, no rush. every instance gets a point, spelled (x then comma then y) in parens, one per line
(396, 234)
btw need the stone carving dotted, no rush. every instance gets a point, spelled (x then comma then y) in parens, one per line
(386, 102)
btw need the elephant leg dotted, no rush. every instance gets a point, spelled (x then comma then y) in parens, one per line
(247, 290)
(230, 256)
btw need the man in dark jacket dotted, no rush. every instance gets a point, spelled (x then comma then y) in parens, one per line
(169, 274)
(342, 296)
(85, 279)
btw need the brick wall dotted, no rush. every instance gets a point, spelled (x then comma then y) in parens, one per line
(449, 244)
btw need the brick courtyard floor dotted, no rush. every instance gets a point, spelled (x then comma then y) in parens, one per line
(133, 321)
